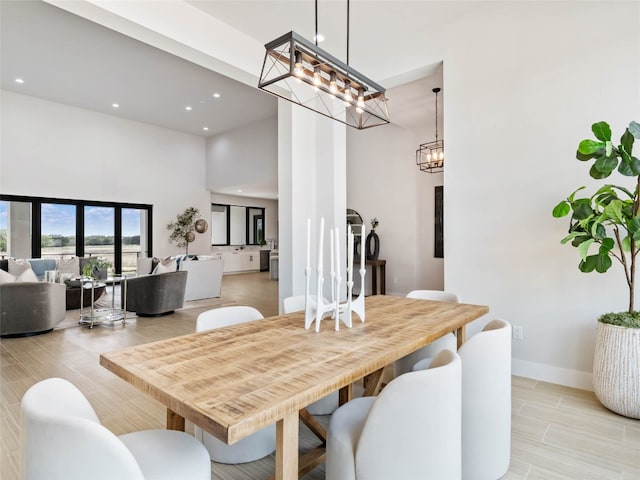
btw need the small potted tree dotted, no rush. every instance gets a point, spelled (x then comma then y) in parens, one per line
(182, 230)
(605, 227)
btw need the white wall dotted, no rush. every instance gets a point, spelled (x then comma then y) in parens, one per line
(270, 211)
(384, 182)
(244, 156)
(524, 82)
(53, 150)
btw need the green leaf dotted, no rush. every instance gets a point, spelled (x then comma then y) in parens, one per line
(573, 235)
(588, 264)
(602, 131)
(624, 168)
(583, 249)
(587, 147)
(574, 193)
(606, 164)
(597, 174)
(582, 209)
(603, 263)
(626, 141)
(562, 209)
(626, 243)
(598, 231)
(607, 244)
(614, 211)
(583, 158)
(608, 148)
(634, 128)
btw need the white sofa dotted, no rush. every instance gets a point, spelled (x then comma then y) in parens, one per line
(204, 279)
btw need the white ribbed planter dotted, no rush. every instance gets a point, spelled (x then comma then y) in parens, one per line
(616, 369)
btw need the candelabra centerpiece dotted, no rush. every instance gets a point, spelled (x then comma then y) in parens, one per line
(317, 307)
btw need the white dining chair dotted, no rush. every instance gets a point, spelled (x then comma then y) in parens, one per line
(410, 431)
(62, 438)
(486, 402)
(257, 445)
(327, 404)
(427, 352)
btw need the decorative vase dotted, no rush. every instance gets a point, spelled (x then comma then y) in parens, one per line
(616, 369)
(373, 245)
(100, 273)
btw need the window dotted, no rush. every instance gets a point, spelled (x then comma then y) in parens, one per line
(237, 225)
(99, 232)
(33, 227)
(57, 230)
(134, 235)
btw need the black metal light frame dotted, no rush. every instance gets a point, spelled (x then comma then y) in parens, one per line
(301, 72)
(430, 155)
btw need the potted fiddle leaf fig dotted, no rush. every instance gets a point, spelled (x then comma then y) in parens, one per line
(605, 228)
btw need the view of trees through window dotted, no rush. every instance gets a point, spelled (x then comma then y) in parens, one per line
(117, 232)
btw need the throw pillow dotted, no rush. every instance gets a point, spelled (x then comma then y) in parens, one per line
(6, 277)
(166, 265)
(27, 276)
(17, 266)
(69, 265)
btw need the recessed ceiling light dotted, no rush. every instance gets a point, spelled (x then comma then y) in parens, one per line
(216, 95)
(19, 80)
(188, 108)
(206, 129)
(239, 190)
(115, 105)
(319, 38)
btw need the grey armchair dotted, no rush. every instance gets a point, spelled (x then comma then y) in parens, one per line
(155, 295)
(30, 308)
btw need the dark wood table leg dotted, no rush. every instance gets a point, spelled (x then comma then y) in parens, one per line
(383, 279)
(374, 280)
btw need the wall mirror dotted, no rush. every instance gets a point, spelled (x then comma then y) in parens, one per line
(237, 225)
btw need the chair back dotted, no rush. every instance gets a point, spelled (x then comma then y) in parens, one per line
(61, 437)
(292, 304)
(486, 402)
(413, 428)
(226, 316)
(437, 295)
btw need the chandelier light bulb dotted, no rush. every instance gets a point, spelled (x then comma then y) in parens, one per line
(347, 91)
(333, 88)
(441, 156)
(361, 98)
(316, 76)
(297, 67)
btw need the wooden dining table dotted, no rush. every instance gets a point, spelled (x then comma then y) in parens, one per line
(235, 380)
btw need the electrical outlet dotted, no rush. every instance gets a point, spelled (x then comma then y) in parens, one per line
(518, 334)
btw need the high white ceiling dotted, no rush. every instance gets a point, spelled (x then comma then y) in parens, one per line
(67, 59)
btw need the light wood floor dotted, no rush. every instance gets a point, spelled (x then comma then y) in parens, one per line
(558, 432)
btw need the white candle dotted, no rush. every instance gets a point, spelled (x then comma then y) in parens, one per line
(320, 246)
(362, 247)
(338, 266)
(350, 256)
(308, 243)
(331, 242)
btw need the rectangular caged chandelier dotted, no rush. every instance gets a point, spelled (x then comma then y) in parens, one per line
(430, 155)
(299, 71)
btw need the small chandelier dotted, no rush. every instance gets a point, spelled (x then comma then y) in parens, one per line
(299, 71)
(430, 155)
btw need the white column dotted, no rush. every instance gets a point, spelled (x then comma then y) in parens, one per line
(311, 184)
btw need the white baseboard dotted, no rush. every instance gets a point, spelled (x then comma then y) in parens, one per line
(548, 373)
